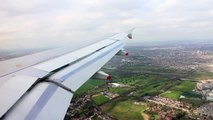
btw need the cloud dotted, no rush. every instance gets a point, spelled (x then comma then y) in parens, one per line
(210, 13)
(165, 5)
(42, 23)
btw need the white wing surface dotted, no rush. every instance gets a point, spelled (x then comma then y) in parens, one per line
(40, 86)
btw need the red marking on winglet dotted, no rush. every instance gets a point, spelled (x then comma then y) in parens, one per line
(109, 77)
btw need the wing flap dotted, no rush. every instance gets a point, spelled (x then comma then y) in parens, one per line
(12, 90)
(41, 103)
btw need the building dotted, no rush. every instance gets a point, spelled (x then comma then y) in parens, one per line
(118, 85)
(210, 96)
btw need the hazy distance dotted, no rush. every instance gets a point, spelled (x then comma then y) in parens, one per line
(54, 23)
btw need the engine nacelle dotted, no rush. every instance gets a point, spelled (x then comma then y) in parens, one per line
(122, 52)
(102, 75)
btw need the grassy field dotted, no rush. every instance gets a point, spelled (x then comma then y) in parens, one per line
(145, 67)
(150, 86)
(118, 90)
(200, 75)
(124, 110)
(90, 84)
(176, 91)
(99, 99)
(172, 94)
(185, 86)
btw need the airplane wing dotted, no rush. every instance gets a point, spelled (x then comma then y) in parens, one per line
(40, 86)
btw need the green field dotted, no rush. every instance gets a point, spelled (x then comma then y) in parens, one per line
(172, 94)
(176, 91)
(89, 85)
(118, 90)
(200, 75)
(150, 86)
(124, 110)
(185, 86)
(146, 68)
(100, 99)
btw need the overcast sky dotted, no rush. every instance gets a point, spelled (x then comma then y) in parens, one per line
(39, 23)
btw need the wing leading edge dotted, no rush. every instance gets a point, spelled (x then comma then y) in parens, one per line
(46, 91)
